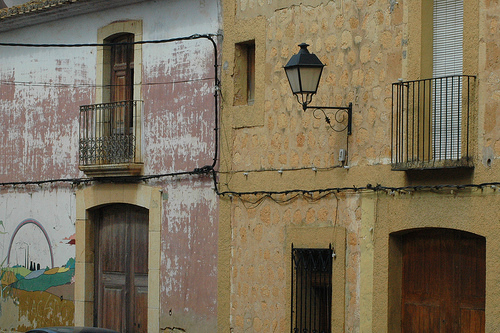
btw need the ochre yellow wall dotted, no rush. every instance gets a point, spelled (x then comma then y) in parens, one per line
(366, 46)
(474, 211)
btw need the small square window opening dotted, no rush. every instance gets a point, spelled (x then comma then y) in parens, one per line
(244, 73)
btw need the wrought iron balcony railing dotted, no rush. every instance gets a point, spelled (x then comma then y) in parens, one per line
(431, 123)
(109, 133)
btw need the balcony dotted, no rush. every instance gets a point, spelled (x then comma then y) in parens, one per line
(110, 139)
(431, 123)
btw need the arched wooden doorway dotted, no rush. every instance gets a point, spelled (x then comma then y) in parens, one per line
(121, 267)
(443, 281)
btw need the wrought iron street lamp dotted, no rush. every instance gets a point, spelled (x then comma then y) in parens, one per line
(303, 71)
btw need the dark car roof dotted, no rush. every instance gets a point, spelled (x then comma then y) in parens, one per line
(70, 330)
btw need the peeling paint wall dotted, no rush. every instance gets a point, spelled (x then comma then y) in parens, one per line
(274, 146)
(189, 236)
(41, 90)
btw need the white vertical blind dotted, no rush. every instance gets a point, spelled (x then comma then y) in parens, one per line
(448, 32)
(447, 61)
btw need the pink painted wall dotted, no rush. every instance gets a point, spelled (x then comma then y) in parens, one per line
(41, 90)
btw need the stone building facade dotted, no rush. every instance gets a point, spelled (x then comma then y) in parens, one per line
(283, 184)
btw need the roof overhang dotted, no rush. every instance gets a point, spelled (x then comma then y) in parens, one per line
(41, 11)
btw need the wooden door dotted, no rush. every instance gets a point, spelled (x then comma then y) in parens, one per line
(121, 268)
(444, 277)
(122, 88)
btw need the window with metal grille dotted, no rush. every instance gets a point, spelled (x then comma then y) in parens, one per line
(311, 290)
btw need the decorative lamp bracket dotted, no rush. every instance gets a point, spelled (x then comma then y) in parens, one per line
(339, 116)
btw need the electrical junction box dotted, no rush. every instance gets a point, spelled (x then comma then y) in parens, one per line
(342, 155)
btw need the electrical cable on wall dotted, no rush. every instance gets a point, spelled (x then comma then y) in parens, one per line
(204, 169)
(308, 194)
(159, 41)
(90, 85)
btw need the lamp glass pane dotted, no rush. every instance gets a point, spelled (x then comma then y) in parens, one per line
(293, 78)
(310, 77)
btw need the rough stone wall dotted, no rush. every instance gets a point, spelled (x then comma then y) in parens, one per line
(260, 288)
(366, 46)
(360, 44)
(490, 78)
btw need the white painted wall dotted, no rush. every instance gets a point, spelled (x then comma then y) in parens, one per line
(40, 141)
(54, 209)
(33, 104)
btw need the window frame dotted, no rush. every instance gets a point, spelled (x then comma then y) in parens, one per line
(92, 197)
(418, 61)
(307, 295)
(244, 73)
(320, 237)
(102, 97)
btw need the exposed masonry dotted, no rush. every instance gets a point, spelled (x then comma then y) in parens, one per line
(33, 6)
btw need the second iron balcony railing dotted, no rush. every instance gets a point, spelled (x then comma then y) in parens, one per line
(431, 122)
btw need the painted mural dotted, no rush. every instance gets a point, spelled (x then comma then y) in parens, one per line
(35, 292)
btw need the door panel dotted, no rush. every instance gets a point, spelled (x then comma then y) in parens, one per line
(112, 242)
(421, 318)
(113, 298)
(471, 321)
(121, 251)
(443, 271)
(139, 232)
(140, 307)
(122, 66)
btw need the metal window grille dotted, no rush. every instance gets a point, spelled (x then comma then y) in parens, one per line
(311, 290)
(108, 133)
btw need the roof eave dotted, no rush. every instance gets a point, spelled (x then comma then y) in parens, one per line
(46, 11)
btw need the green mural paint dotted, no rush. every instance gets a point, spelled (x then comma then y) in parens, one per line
(41, 280)
(45, 281)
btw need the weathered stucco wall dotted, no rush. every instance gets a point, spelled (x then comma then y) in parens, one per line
(37, 251)
(188, 292)
(41, 90)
